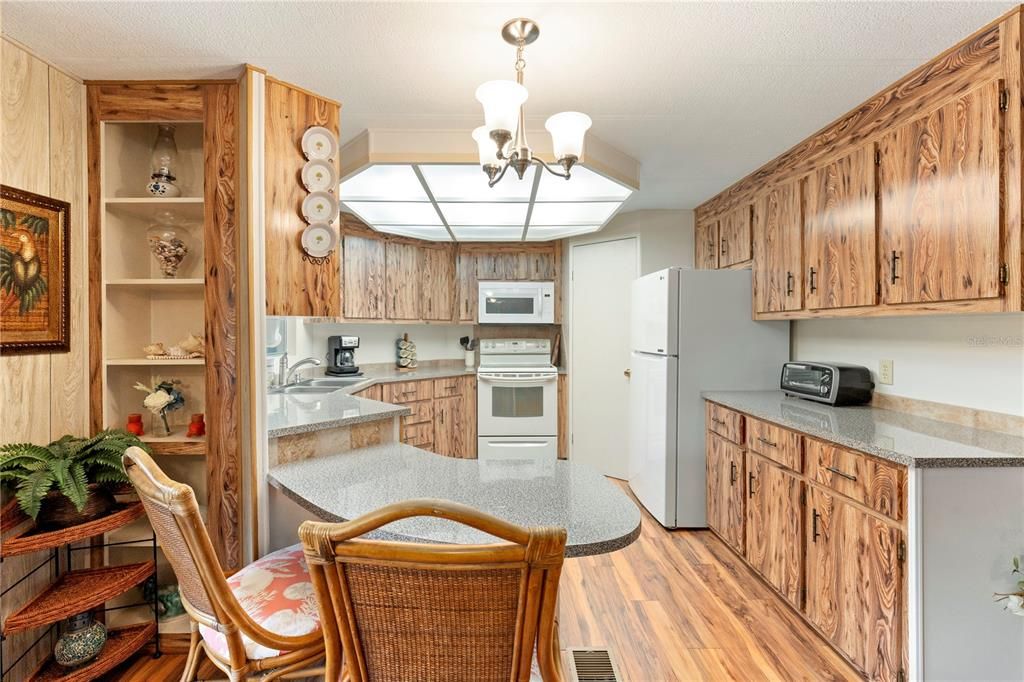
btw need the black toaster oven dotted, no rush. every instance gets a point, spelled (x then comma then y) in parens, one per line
(835, 383)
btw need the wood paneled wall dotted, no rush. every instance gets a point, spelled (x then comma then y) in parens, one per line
(42, 150)
(295, 286)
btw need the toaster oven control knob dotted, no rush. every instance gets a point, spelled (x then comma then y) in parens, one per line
(824, 389)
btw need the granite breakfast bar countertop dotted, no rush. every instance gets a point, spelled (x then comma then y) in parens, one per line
(597, 515)
(896, 436)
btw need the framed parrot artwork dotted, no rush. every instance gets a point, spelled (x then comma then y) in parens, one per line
(34, 272)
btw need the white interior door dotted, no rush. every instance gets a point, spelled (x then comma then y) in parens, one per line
(602, 275)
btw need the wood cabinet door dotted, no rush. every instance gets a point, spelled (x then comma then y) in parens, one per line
(363, 276)
(498, 266)
(774, 532)
(467, 289)
(725, 490)
(734, 237)
(706, 245)
(449, 427)
(402, 291)
(939, 183)
(854, 583)
(437, 283)
(537, 265)
(778, 236)
(839, 232)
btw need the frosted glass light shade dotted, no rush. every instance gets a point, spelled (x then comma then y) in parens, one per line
(501, 100)
(567, 130)
(487, 147)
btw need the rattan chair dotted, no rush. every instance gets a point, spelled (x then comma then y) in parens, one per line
(396, 611)
(205, 592)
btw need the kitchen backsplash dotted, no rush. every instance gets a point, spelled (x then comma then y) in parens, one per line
(376, 341)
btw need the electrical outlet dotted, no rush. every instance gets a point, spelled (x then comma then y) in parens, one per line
(885, 371)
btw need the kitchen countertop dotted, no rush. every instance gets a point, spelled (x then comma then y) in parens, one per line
(596, 514)
(896, 436)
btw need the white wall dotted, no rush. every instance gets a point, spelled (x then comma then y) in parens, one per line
(377, 341)
(975, 361)
(666, 238)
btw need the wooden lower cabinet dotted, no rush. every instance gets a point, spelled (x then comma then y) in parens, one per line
(726, 489)
(854, 583)
(774, 529)
(443, 418)
(449, 427)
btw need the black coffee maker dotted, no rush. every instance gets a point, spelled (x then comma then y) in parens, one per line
(341, 356)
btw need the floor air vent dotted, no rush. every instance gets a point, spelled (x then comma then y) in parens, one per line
(593, 665)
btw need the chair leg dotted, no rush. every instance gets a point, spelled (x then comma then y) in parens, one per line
(194, 650)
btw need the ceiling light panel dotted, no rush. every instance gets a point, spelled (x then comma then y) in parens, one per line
(431, 233)
(479, 213)
(546, 233)
(384, 183)
(464, 182)
(378, 213)
(585, 185)
(572, 213)
(487, 233)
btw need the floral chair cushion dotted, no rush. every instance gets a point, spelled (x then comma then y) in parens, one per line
(277, 594)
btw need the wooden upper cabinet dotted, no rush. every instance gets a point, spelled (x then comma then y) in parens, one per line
(498, 265)
(467, 289)
(839, 232)
(940, 217)
(401, 295)
(778, 235)
(706, 244)
(855, 590)
(734, 237)
(537, 265)
(437, 283)
(774, 529)
(364, 274)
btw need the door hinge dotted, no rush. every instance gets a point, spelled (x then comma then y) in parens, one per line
(803, 496)
(1004, 274)
(1004, 100)
(878, 157)
(878, 288)
(901, 676)
(901, 551)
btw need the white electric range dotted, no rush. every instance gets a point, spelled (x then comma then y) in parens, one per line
(517, 401)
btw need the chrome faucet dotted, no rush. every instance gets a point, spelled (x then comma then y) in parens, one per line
(285, 376)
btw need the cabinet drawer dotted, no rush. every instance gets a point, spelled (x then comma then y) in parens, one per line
(725, 422)
(418, 434)
(422, 411)
(449, 386)
(780, 445)
(374, 392)
(408, 391)
(870, 481)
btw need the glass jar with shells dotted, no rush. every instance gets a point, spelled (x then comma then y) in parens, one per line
(170, 242)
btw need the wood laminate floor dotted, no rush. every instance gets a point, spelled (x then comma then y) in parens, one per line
(673, 606)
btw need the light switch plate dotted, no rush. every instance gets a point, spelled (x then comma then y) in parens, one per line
(885, 372)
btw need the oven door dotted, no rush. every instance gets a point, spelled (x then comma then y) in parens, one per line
(517, 403)
(512, 303)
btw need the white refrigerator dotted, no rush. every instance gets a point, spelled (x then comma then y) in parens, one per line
(690, 332)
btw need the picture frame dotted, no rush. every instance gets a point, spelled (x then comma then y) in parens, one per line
(35, 273)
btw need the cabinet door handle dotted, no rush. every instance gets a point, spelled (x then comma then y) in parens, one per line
(812, 284)
(732, 473)
(789, 283)
(767, 442)
(837, 472)
(893, 276)
(750, 484)
(716, 420)
(814, 526)
(723, 246)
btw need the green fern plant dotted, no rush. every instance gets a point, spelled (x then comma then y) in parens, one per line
(69, 465)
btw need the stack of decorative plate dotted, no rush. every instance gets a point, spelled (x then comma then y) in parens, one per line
(320, 207)
(406, 352)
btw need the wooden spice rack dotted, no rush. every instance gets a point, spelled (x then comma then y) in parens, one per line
(76, 590)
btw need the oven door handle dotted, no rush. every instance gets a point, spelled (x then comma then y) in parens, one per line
(518, 443)
(498, 379)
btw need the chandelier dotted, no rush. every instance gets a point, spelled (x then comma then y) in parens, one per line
(502, 138)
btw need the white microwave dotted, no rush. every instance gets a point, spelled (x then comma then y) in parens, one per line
(516, 303)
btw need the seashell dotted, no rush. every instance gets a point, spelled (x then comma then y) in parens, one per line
(154, 349)
(192, 344)
(177, 351)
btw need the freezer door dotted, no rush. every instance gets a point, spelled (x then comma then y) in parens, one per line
(652, 434)
(654, 311)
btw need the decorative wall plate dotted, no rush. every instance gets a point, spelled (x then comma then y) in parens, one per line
(319, 175)
(319, 143)
(319, 240)
(320, 207)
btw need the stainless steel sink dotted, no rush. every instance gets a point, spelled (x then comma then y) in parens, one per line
(337, 382)
(307, 390)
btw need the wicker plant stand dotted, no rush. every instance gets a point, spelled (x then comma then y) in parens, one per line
(73, 591)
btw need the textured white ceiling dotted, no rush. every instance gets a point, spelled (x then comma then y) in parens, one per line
(701, 93)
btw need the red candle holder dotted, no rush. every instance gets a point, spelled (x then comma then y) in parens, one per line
(197, 427)
(134, 425)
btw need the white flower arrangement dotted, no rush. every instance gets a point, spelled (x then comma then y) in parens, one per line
(1014, 600)
(163, 397)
